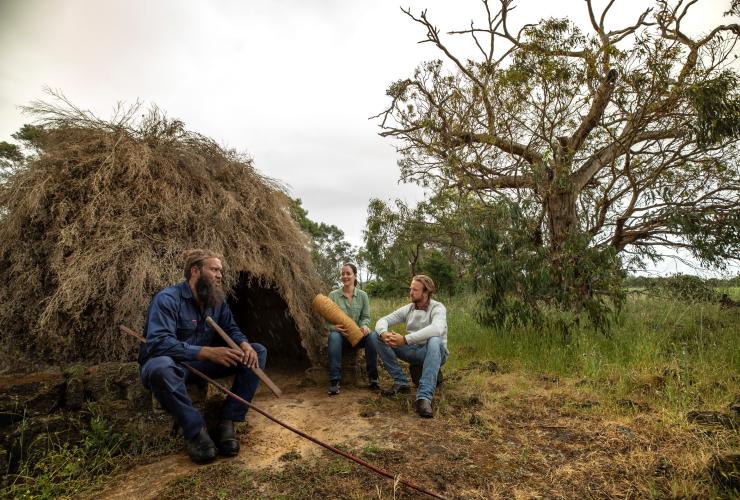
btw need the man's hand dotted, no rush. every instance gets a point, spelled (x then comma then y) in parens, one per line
(225, 356)
(365, 330)
(393, 339)
(249, 355)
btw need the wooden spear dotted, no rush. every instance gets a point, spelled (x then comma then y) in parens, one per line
(257, 370)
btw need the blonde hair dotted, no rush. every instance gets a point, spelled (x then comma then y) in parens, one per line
(195, 257)
(427, 282)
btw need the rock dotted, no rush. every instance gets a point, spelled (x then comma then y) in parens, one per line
(735, 408)
(38, 434)
(139, 397)
(316, 375)
(74, 395)
(632, 405)
(32, 394)
(110, 381)
(712, 418)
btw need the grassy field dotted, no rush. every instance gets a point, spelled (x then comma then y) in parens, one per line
(732, 291)
(522, 414)
(527, 414)
(691, 351)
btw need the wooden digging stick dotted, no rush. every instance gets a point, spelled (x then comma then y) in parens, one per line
(257, 370)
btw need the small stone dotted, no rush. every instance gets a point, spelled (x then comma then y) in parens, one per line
(712, 418)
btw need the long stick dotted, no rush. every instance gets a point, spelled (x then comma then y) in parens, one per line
(329, 447)
(257, 370)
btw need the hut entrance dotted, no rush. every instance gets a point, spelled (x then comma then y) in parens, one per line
(263, 316)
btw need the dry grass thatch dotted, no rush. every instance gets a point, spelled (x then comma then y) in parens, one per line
(94, 223)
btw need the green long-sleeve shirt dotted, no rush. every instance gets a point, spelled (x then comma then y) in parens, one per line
(359, 311)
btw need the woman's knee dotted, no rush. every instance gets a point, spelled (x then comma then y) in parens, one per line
(335, 339)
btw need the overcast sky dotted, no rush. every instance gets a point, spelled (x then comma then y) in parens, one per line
(292, 83)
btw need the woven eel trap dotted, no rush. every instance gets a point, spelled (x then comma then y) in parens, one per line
(333, 314)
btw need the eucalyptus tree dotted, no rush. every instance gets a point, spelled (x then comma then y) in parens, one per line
(615, 141)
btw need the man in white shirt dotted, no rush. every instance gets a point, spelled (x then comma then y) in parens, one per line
(424, 344)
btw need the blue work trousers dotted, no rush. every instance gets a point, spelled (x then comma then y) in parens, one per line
(167, 380)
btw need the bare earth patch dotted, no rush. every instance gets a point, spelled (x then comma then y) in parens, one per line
(493, 436)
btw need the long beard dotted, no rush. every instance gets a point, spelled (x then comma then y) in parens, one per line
(210, 294)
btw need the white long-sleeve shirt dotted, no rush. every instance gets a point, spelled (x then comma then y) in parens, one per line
(420, 325)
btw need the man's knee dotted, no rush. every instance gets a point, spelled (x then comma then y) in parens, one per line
(434, 344)
(161, 371)
(261, 354)
(434, 350)
(373, 338)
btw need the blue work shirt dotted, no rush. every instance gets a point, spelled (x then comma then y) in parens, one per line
(176, 327)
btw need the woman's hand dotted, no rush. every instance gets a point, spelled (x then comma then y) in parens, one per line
(341, 329)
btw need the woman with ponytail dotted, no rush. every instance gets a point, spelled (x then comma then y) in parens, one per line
(355, 303)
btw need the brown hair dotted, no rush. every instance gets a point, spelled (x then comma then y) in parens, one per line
(195, 257)
(427, 282)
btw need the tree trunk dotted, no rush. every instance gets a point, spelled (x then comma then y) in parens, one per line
(563, 223)
(562, 219)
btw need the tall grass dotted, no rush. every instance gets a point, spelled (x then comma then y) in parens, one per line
(681, 354)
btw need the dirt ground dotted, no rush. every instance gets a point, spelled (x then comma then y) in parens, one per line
(494, 435)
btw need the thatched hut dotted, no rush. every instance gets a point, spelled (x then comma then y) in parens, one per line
(94, 223)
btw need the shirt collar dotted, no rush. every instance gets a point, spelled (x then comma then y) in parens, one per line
(354, 292)
(423, 307)
(185, 290)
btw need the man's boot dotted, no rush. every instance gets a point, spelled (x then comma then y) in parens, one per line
(228, 444)
(201, 449)
(424, 408)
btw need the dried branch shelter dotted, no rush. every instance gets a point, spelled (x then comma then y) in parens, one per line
(93, 222)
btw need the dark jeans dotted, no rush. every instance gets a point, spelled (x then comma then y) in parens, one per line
(167, 380)
(336, 342)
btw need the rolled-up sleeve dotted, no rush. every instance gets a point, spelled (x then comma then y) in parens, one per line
(161, 336)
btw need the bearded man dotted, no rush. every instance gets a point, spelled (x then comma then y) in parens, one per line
(424, 345)
(176, 332)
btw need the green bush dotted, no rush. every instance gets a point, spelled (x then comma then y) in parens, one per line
(685, 287)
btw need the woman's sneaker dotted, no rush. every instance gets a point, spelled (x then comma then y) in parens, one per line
(333, 388)
(374, 384)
